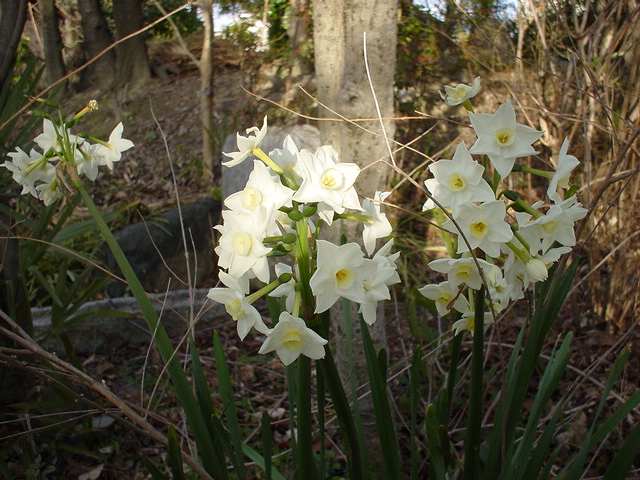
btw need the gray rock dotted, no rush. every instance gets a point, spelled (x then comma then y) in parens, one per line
(235, 178)
(152, 263)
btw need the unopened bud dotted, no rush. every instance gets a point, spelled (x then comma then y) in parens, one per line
(511, 195)
(537, 270)
(284, 278)
(295, 215)
(309, 210)
(289, 238)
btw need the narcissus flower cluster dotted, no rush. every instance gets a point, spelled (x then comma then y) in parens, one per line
(496, 238)
(290, 195)
(40, 172)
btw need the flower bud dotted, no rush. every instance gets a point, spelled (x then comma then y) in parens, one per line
(295, 215)
(310, 210)
(537, 270)
(284, 278)
(511, 195)
(289, 238)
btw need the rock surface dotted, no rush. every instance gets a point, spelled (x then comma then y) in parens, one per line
(155, 248)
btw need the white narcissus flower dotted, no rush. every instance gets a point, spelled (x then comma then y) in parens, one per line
(464, 271)
(501, 138)
(458, 181)
(240, 248)
(445, 295)
(111, 151)
(287, 289)
(460, 93)
(88, 160)
(49, 192)
(377, 275)
(254, 137)
(287, 158)
(499, 291)
(291, 338)
(560, 180)
(328, 182)
(483, 226)
(520, 277)
(48, 138)
(338, 274)
(263, 189)
(468, 321)
(23, 171)
(235, 303)
(378, 225)
(556, 225)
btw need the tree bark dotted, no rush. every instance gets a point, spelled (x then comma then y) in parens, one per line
(298, 31)
(132, 60)
(13, 14)
(97, 37)
(206, 90)
(52, 40)
(342, 85)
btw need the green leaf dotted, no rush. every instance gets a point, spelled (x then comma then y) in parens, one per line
(174, 455)
(623, 461)
(434, 445)
(195, 420)
(414, 401)
(230, 413)
(267, 447)
(259, 460)
(203, 395)
(329, 371)
(550, 379)
(382, 410)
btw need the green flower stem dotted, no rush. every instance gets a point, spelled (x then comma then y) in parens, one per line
(468, 106)
(473, 437)
(527, 208)
(536, 171)
(520, 238)
(258, 152)
(520, 253)
(284, 278)
(358, 217)
(306, 467)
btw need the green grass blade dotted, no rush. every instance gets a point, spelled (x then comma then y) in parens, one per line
(267, 447)
(575, 467)
(472, 440)
(153, 469)
(382, 410)
(550, 379)
(321, 399)
(256, 458)
(329, 371)
(434, 445)
(623, 461)
(414, 401)
(216, 432)
(174, 456)
(230, 412)
(163, 343)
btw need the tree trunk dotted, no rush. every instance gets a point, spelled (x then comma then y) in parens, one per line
(342, 85)
(206, 90)
(52, 40)
(132, 60)
(13, 14)
(298, 31)
(97, 37)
